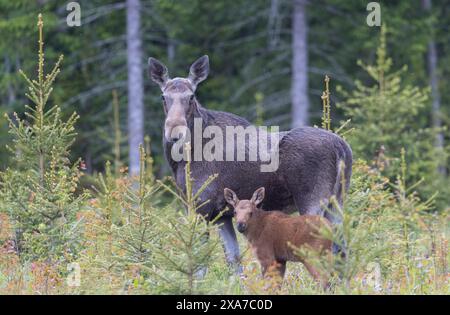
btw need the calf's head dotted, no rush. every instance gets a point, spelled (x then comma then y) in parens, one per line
(244, 209)
(178, 95)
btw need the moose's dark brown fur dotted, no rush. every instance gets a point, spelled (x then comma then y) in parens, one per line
(309, 171)
(273, 235)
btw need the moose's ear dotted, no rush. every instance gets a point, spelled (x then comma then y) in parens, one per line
(158, 72)
(199, 70)
(230, 197)
(258, 195)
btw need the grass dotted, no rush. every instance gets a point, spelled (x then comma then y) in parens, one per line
(388, 263)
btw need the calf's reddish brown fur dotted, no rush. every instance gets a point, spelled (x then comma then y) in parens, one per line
(272, 234)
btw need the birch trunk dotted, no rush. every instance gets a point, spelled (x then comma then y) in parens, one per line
(135, 85)
(432, 60)
(299, 87)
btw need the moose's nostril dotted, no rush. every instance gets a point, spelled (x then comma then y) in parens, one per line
(241, 227)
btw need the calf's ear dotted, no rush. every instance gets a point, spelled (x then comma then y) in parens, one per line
(199, 70)
(158, 72)
(230, 197)
(258, 195)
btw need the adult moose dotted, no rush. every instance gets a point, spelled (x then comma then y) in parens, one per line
(309, 171)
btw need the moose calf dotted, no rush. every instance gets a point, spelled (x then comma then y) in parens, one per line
(270, 232)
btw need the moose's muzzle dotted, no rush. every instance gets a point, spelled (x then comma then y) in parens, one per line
(241, 227)
(174, 132)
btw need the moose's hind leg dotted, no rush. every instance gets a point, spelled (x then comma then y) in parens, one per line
(307, 191)
(307, 204)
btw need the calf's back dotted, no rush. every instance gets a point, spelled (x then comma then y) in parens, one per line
(281, 229)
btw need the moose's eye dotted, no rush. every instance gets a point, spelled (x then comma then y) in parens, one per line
(191, 98)
(163, 98)
(234, 212)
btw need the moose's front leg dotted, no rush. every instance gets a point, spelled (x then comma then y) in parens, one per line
(226, 229)
(230, 243)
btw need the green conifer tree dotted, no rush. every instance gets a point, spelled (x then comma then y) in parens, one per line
(39, 189)
(390, 115)
(188, 242)
(136, 231)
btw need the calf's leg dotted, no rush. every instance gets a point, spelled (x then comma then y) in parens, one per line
(274, 270)
(281, 266)
(322, 280)
(273, 265)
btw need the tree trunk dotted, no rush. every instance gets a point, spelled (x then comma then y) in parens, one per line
(11, 92)
(135, 85)
(299, 87)
(274, 24)
(432, 60)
